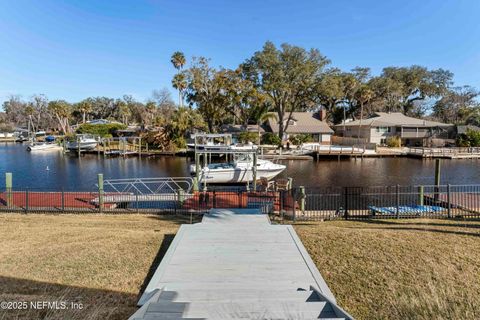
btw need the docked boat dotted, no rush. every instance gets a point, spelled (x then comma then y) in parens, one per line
(43, 146)
(239, 171)
(83, 142)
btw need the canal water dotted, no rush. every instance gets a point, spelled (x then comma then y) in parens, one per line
(53, 170)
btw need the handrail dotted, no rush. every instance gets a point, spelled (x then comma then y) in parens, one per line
(150, 185)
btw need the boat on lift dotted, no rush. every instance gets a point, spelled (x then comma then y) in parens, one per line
(241, 170)
(83, 142)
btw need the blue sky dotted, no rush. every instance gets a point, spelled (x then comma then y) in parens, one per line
(80, 48)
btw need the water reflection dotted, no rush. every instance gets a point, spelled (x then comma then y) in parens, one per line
(73, 173)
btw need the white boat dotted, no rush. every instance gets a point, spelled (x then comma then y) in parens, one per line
(43, 146)
(83, 142)
(239, 171)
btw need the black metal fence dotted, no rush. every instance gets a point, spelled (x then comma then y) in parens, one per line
(445, 201)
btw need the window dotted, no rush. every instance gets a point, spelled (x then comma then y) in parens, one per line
(383, 129)
(291, 122)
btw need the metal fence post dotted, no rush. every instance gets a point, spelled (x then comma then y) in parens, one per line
(63, 200)
(397, 199)
(26, 201)
(346, 202)
(282, 199)
(136, 203)
(294, 193)
(449, 203)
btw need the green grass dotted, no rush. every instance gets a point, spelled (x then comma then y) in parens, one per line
(99, 261)
(399, 269)
(405, 269)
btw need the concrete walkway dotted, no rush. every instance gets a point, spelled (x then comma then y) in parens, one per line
(236, 265)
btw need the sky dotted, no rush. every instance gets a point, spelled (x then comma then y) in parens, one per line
(79, 48)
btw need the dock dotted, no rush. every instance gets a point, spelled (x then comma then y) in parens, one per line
(444, 153)
(235, 264)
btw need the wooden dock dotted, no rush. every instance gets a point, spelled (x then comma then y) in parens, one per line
(444, 153)
(236, 265)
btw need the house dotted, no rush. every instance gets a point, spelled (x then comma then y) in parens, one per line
(236, 129)
(412, 131)
(309, 123)
(462, 129)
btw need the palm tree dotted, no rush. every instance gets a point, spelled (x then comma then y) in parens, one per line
(124, 112)
(363, 95)
(85, 107)
(179, 82)
(263, 117)
(178, 60)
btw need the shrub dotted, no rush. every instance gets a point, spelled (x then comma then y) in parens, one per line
(394, 142)
(271, 138)
(469, 139)
(245, 137)
(103, 130)
(298, 139)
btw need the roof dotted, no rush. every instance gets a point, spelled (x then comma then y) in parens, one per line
(101, 121)
(393, 119)
(305, 122)
(463, 129)
(237, 128)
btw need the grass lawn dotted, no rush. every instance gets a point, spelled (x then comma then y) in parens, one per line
(406, 269)
(383, 269)
(99, 261)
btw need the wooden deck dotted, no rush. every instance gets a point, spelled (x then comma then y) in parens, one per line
(236, 265)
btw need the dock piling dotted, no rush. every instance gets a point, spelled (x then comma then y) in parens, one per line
(302, 199)
(437, 180)
(100, 192)
(8, 188)
(421, 197)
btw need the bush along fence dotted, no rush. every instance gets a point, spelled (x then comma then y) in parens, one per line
(430, 201)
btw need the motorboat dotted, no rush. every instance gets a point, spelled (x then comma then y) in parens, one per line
(43, 146)
(239, 171)
(83, 142)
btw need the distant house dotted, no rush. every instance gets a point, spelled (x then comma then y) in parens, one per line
(311, 123)
(236, 129)
(412, 131)
(101, 121)
(463, 129)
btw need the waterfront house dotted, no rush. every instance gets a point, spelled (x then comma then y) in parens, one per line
(412, 131)
(462, 129)
(236, 129)
(306, 123)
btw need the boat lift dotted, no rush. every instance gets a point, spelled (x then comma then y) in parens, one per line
(203, 139)
(204, 157)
